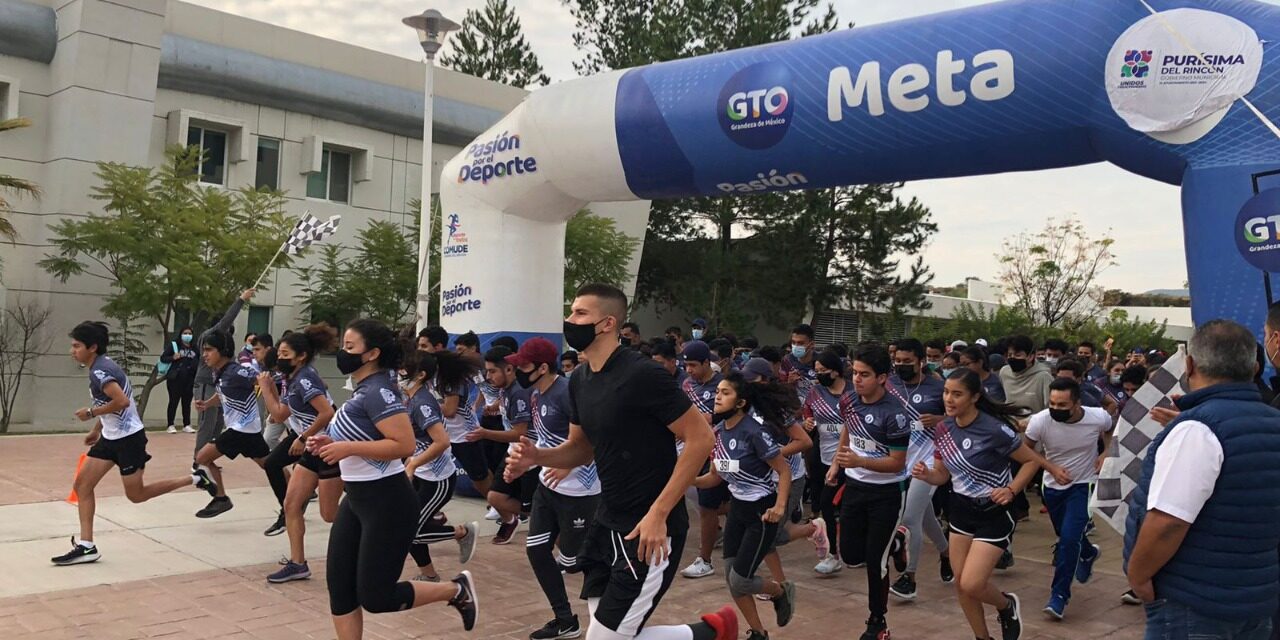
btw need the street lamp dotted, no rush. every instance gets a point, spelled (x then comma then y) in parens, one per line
(432, 28)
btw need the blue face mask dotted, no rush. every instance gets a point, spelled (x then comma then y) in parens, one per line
(697, 334)
(186, 338)
(798, 351)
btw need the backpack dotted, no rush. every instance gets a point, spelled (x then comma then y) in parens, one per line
(163, 368)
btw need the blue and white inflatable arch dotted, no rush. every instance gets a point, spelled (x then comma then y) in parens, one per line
(1179, 91)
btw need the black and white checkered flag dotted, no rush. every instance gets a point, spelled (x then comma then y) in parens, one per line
(1123, 466)
(308, 230)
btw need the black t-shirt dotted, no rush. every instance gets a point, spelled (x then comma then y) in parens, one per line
(624, 410)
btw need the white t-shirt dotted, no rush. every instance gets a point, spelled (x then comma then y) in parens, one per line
(1187, 468)
(1071, 445)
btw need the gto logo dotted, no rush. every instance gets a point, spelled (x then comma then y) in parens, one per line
(755, 106)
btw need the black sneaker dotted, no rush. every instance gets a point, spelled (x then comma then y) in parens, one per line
(79, 554)
(877, 629)
(944, 570)
(784, 606)
(466, 602)
(558, 630)
(217, 506)
(505, 531)
(277, 527)
(904, 588)
(898, 548)
(1006, 560)
(1011, 619)
(758, 635)
(201, 478)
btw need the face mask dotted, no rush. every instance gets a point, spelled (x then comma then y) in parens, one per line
(580, 336)
(284, 365)
(525, 379)
(946, 373)
(798, 351)
(186, 338)
(696, 333)
(1018, 364)
(348, 362)
(933, 366)
(1052, 362)
(1115, 380)
(905, 371)
(718, 417)
(1060, 415)
(826, 379)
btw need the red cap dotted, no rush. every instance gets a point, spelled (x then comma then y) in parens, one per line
(535, 351)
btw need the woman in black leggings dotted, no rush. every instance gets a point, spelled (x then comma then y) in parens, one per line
(376, 521)
(180, 355)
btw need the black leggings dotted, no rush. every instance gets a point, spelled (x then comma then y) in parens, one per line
(747, 540)
(368, 542)
(432, 496)
(869, 513)
(181, 389)
(276, 461)
(825, 506)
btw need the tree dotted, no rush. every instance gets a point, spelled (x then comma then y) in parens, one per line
(164, 240)
(16, 186)
(380, 281)
(491, 45)
(22, 340)
(595, 251)
(970, 322)
(1052, 272)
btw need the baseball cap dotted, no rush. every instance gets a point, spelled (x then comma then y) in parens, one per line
(535, 351)
(699, 322)
(958, 344)
(757, 369)
(696, 350)
(981, 342)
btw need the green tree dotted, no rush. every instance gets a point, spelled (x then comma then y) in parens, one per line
(15, 186)
(379, 281)
(595, 251)
(1051, 273)
(491, 45)
(163, 239)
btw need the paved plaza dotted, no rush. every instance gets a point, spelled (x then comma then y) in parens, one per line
(166, 574)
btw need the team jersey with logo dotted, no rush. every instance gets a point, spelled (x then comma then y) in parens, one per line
(550, 425)
(465, 420)
(808, 375)
(305, 385)
(488, 391)
(238, 388)
(702, 394)
(795, 460)
(994, 388)
(424, 412)
(824, 407)
(741, 458)
(874, 430)
(124, 422)
(375, 399)
(919, 399)
(977, 455)
(514, 403)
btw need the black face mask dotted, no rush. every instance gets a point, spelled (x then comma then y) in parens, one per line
(1017, 364)
(1060, 415)
(525, 379)
(717, 418)
(348, 362)
(826, 379)
(905, 371)
(580, 336)
(285, 365)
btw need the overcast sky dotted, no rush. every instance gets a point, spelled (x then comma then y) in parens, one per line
(972, 213)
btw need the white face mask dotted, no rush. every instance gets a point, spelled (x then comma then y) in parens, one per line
(1115, 379)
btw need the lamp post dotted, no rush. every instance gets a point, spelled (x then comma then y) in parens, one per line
(432, 28)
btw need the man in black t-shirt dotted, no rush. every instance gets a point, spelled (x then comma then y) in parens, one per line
(626, 413)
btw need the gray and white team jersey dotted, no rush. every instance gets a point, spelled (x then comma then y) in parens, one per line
(924, 398)
(375, 399)
(550, 425)
(824, 407)
(977, 455)
(741, 458)
(424, 413)
(238, 388)
(875, 430)
(514, 403)
(124, 422)
(304, 386)
(465, 420)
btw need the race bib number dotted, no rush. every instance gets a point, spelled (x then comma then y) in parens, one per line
(830, 429)
(725, 465)
(863, 446)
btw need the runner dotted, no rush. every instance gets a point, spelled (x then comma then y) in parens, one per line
(431, 468)
(822, 416)
(921, 394)
(664, 353)
(456, 386)
(748, 459)
(1069, 433)
(566, 499)
(627, 413)
(975, 359)
(117, 439)
(237, 395)
(975, 444)
(797, 364)
(376, 521)
(873, 456)
(307, 409)
(713, 502)
(210, 423)
(509, 499)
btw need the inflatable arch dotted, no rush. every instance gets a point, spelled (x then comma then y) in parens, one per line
(1173, 90)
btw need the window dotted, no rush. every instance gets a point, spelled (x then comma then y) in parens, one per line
(268, 173)
(213, 149)
(8, 98)
(182, 317)
(333, 180)
(259, 319)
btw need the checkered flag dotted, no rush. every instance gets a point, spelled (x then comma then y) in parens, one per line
(1123, 467)
(308, 230)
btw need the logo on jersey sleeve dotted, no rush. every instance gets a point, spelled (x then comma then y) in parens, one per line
(429, 414)
(520, 405)
(306, 384)
(768, 440)
(100, 375)
(388, 396)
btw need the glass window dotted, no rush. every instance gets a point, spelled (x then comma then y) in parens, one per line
(333, 181)
(259, 319)
(213, 150)
(268, 172)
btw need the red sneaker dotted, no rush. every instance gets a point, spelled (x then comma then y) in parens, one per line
(725, 622)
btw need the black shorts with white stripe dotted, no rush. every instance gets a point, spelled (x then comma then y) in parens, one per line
(982, 520)
(563, 520)
(629, 589)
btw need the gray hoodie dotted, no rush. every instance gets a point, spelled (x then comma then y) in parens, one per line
(204, 375)
(1029, 389)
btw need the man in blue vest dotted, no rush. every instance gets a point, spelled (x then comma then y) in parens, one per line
(1204, 521)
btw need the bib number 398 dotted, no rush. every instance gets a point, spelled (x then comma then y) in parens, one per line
(725, 466)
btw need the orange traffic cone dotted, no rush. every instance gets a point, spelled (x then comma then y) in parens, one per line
(73, 499)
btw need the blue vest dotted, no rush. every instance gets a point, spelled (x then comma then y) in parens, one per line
(1227, 567)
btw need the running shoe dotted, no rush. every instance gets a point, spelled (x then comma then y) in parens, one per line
(493, 515)
(276, 527)
(1006, 560)
(829, 566)
(819, 538)
(186, 428)
(901, 537)
(877, 629)
(1056, 607)
(698, 569)
(904, 587)
(201, 478)
(422, 578)
(79, 554)
(467, 543)
(944, 570)
(466, 601)
(1129, 597)
(558, 630)
(784, 606)
(758, 635)
(216, 507)
(1084, 569)
(764, 597)
(171, 429)
(441, 517)
(1011, 619)
(724, 622)
(505, 531)
(290, 572)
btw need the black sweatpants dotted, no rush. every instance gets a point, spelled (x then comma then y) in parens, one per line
(561, 520)
(368, 542)
(827, 508)
(747, 540)
(432, 496)
(181, 390)
(869, 513)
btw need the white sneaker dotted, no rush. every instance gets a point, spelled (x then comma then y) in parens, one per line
(171, 429)
(829, 566)
(699, 569)
(492, 515)
(187, 429)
